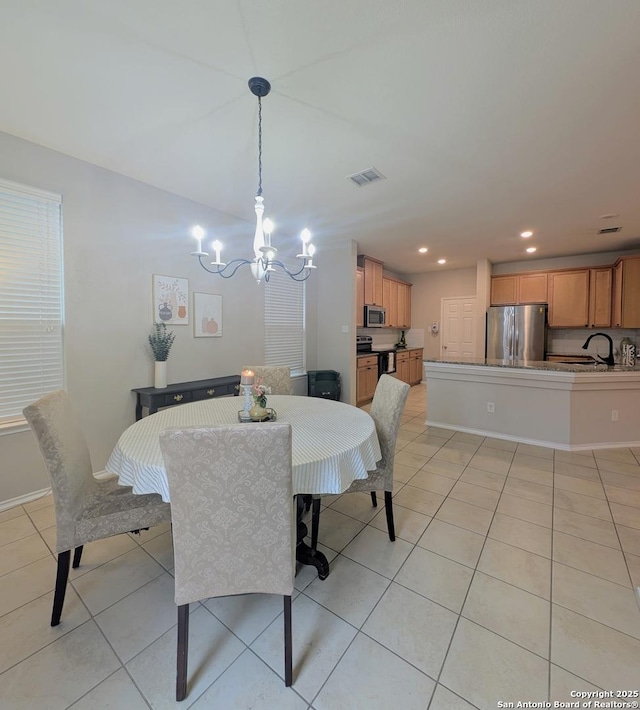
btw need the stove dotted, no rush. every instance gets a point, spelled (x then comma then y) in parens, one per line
(386, 354)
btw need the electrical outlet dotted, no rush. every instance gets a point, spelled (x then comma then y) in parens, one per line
(614, 415)
(491, 407)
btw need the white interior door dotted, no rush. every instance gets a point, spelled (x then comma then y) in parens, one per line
(458, 333)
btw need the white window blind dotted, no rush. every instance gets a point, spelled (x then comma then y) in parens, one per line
(284, 331)
(30, 297)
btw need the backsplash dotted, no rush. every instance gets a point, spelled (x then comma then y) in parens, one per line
(570, 341)
(386, 337)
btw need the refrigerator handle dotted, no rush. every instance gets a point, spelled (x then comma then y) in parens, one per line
(516, 340)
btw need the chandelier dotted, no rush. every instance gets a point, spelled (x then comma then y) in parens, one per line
(264, 262)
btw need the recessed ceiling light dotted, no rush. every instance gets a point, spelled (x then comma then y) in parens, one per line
(531, 250)
(423, 250)
(442, 261)
(526, 234)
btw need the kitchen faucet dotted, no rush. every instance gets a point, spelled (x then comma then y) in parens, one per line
(610, 362)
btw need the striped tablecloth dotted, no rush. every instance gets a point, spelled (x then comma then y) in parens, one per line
(333, 443)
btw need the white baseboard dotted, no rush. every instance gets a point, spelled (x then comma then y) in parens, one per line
(537, 442)
(21, 500)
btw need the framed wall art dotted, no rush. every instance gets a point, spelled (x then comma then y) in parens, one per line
(170, 300)
(207, 320)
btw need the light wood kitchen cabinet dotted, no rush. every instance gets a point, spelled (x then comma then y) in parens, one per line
(568, 293)
(580, 298)
(390, 301)
(366, 378)
(403, 366)
(532, 288)
(600, 288)
(372, 280)
(504, 290)
(513, 289)
(626, 293)
(396, 300)
(359, 298)
(415, 366)
(404, 305)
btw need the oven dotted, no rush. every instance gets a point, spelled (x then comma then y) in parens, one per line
(386, 362)
(386, 358)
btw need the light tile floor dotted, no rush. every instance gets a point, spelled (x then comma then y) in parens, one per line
(512, 579)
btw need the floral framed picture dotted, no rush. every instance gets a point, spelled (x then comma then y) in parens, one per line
(207, 320)
(170, 300)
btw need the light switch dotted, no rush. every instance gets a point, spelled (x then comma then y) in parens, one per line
(345, 328)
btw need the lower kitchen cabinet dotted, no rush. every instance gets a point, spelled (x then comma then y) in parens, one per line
(366, 379)
(415, 367)
(403, 366)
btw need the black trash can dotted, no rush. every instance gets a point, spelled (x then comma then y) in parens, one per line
(323, 383)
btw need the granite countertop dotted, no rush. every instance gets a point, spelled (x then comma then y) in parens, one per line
(533, 365)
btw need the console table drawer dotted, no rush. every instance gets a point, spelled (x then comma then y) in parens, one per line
(218, 391)
(176, 398)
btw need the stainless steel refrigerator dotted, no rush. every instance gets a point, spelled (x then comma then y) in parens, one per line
(517, 332)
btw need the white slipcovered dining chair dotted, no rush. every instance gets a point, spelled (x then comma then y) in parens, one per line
(233, 522)
(87, 509)
(276, 377)
(386, 411)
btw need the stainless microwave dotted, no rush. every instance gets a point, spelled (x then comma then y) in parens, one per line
(375, 317)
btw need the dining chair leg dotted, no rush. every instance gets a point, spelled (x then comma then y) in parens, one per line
(183, 651)
(61, 586)
(315, 523)
(374, 499)
(388, 506)
(288, 651)
(77, 554)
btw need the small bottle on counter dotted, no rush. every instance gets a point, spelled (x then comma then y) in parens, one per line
(627, 353)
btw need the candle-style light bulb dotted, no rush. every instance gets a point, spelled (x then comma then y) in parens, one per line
(305, 235)
(198, 233)
(310, 252)
(267, 226)
(217, 246)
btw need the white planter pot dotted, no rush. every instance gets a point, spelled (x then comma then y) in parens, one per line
(160, 374)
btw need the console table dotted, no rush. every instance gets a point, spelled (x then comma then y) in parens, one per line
(181, 392)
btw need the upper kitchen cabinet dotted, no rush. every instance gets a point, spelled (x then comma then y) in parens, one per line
(372, 280)
(504, 290)
(600, 287)
(532, 288)
(396, 300)
(390, 300)
(404, 305)
(626, 293)
(360, 298)
(514, 289)
(580, 298)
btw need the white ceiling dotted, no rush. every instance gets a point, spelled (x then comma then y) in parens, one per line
(487, 117)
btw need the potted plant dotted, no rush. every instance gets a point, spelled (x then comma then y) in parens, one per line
(160, 340)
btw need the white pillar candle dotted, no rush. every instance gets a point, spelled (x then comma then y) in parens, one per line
(246, 377)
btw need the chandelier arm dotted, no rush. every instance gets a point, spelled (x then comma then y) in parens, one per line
(293, 274)
(232, 265)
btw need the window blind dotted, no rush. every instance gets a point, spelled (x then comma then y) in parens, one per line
(284, 331)
(31, 361)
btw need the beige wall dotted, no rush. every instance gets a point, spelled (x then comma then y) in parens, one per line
(426, 295)
(117, 233)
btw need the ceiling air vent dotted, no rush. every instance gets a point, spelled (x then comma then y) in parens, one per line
(366, 177)
(609, 230)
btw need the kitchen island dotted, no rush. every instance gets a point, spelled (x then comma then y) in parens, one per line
(564, 406)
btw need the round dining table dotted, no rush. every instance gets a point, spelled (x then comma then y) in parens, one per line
(333, 444)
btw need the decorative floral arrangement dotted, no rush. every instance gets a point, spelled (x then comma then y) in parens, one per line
(259, 393)
(161, 341)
